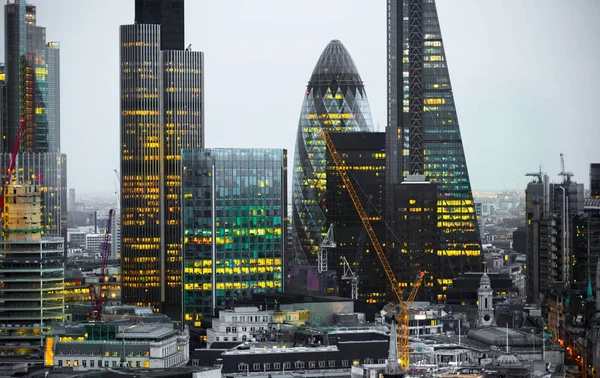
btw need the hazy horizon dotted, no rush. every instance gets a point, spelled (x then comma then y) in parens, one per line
(523, 77)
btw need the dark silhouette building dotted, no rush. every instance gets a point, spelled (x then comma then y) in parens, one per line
(169, 14)
(364, 157)
(520, 240)
(335, 100)
(595, 180)
(162, 112)
(423, 138)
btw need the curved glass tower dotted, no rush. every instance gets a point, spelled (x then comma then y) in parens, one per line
(335, 100)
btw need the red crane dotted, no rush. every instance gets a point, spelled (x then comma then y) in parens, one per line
(11, 166)
(98, 295)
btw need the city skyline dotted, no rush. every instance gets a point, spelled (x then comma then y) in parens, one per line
(518, 83)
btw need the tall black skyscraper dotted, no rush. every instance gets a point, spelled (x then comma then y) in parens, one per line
(161, 113)
(423, 139)
(169, 14)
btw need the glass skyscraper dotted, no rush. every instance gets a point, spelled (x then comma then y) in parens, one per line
(424, 137)
(161, 113)
(234, 213)
(364, 157)
(31, 97)
(335, 100)
(169, 15)
(53, 103)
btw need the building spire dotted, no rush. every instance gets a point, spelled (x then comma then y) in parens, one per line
(393, 367)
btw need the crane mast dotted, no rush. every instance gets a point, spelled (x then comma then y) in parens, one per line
(349, 274)
(405, 306)
(98, 295)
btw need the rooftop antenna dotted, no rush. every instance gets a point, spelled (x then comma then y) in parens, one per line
(189, 48)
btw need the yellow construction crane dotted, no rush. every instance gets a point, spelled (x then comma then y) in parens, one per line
(405, 306)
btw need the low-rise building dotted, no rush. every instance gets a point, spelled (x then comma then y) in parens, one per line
(124, 342)
(239, 324)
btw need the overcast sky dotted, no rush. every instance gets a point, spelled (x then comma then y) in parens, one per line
(523, 74)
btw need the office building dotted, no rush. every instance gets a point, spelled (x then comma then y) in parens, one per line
(53, 95)
(133, 338)
(48, 172)
(169, 14)
(234, 212)
(595, 180)
(335, 100)
(423, 137)
(364, 157)
(161, 113)
(553, 213)
(31, 104)
(115, 239)
(71, 206)
(32, 270)
(416, 235)
(585, 249)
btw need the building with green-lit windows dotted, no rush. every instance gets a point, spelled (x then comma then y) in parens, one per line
(424, 140)
(233, 216)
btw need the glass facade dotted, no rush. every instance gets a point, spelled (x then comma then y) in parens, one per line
(424, 134)
(335, 100)
(31, 97)
(32, 269)
(53, 103)
(46, 171)
(169, 14)
(27, 79)
(234, 214)
(161, 113)
(364, 157)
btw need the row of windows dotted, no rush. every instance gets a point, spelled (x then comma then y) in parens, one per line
(138, 364)
(92, 352)
(302, 364)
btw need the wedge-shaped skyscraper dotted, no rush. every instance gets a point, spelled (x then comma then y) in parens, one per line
(335, 100)
(424, 143)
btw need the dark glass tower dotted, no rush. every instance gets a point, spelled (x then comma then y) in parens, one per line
(423, 138)
(364, 157)
(169, 14)
(161, 113)
(234, 212)
(335, 100)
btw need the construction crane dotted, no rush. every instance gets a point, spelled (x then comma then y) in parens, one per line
(349, 274)
(99, 294)
(327, 243)
(538, 175)
(11, 166)
(404, 306)
(566, 175)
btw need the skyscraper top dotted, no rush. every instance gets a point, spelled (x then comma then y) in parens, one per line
(169, 14)
(336, 63)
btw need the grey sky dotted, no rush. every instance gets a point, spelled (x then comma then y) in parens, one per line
(523, 74)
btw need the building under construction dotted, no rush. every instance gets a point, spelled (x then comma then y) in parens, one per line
(32, 271)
